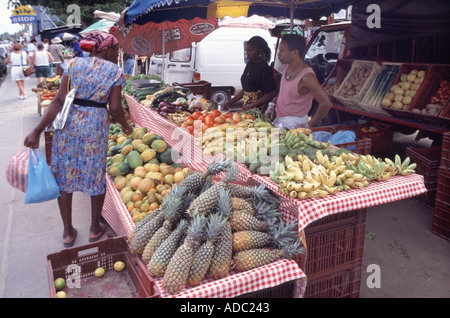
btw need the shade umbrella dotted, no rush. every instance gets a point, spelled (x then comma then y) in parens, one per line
(111, 16)
(67, 36)
(165, 37)
(142, 11)
(102, 25)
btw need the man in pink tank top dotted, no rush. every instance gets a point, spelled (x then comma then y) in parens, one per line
(298, 87)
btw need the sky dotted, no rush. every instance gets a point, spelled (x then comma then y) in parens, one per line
(5, 21)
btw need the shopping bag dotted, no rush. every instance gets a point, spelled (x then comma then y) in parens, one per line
(60, 121)
(17, 170)
(27, 70)
(42, 185)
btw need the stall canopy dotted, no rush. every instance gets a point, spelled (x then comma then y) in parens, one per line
(399, 20)
(142, 11)
(102, 25)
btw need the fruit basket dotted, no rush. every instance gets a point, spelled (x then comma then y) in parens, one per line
(435, 82)
(356, 83)
(77, 266)
(412, 74)
(336, 77)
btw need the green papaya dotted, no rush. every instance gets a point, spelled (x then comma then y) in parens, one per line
(119, 169)
(134, 159)
(115, 150)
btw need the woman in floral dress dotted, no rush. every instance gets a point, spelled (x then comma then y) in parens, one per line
(79, 150)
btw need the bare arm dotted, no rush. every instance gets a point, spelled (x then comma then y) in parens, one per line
(263, 100)
(320, 95)
(116, 109)
(237, 97)
(50, 57)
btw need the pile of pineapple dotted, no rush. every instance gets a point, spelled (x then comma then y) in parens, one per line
(206, 230)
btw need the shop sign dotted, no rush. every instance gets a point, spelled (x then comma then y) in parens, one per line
(23, 14)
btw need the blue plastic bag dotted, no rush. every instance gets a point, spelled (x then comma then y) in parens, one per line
(343, 136)
(322, 136)
(42, 185)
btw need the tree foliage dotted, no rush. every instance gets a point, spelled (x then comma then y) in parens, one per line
(87, 7)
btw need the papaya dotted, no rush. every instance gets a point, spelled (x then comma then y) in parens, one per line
(142, 147)
(148, 138)
(126, 150)
(148, 155)
(154, 161)
(139, 134)
(166, 156)
(121, 140)
(134, 159)
(159, 145)
(117, 158)
(118, 169)
(136, 143)
(115, 150)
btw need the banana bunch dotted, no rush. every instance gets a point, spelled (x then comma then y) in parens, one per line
(381, 170)
(404, 167)
(301, 130)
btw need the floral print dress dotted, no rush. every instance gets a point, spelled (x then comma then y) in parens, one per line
(79, 150)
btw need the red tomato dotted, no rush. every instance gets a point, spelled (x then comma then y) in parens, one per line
(244, 116)
(201, 117)
(189, 121)
(190, 129)
(216, 113)
(237, 117)
(229, 120)
(209, 120)
(216, 124)
(250, 116)
(196, 115)
(219, 120)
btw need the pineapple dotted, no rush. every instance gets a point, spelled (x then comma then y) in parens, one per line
(253, 258)
(196, 180)
(171, 214)
(207, 200)
(245, 240)
(180, 264)
(257, 193)
(241, 204)
(243, 220)
(223, 249)
(160, 259)
(144, 221)
(203, 256)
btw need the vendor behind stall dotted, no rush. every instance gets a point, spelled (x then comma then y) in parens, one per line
(258, 84)
(298, 87)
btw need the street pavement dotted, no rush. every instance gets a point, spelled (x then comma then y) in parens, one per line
(414, 262)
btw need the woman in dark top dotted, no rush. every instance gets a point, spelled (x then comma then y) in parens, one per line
(258, 84)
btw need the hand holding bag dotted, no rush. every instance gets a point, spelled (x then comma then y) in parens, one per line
(26, 68)
(42, 185)
(60, 121)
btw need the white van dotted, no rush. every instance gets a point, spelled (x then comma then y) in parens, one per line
(219, 59)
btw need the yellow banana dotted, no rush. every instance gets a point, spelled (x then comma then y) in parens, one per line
(305, 165)
(302, 195)
(319, 157)
(331, 190)
(358, 176)
(332, 178)
(313, 194)
(322, 193)
(326, 161)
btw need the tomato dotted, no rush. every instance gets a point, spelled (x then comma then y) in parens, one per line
(237, 117)
(189, 121)
(235, 122)
(201, 117)
(216, 124)
(219, 120)
(229, 120)
(250, 116)
(190, 129)
(196, 115)
(209, 120)
(216, 113)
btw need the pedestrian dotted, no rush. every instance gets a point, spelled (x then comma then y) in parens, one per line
(46, 44)
(79, 150)
(128, 63)
(31, 49)
(41, 61)
(298, 87)
(257, 80)
(56, 52)
(77, 51)
(18, 59)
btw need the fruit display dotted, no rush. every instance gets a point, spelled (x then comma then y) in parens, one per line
(331, 88)
(50, 84)
(205, 230)
(333, 170)
(381, 86)
(442, 94)
(401, 95)
(354, 81)
(142, 169)
(139, 93)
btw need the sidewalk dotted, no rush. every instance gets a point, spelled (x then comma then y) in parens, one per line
(413, 261)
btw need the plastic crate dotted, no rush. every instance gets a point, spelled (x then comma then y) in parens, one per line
(133, 281)
(285, 290)
(445, 151)
(406, 68)
(199, 88)
(335, 242)
(428, 161)
(435, 74)
(360, 146)
(342, 284)
(370, 70)
(443, 186)
(381, 138)
(441, 220)
(48, 137)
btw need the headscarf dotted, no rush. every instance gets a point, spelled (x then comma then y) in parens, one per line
(96, 41)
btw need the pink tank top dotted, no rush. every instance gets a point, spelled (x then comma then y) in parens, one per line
(289, 101)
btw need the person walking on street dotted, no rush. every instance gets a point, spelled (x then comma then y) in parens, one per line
(58, 57)
(79, 150)
(298, 87)
(41, 59)
(18, 59)
(31, 48)
(128, 64)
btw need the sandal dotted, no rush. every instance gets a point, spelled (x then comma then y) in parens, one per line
(96, 237)
(72, 242)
